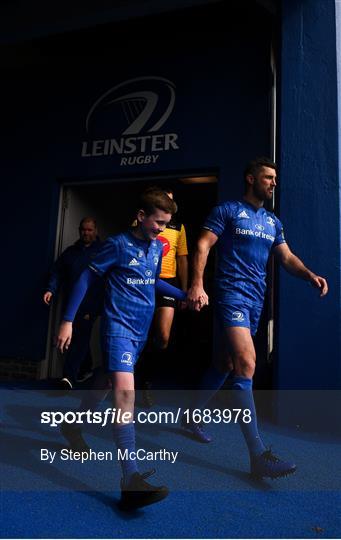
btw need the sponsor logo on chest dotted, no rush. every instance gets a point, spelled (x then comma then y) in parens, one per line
(254, 233)
(141, 281)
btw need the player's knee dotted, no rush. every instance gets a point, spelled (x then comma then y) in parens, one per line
(124, 398)
(244, 364)
(222, 364)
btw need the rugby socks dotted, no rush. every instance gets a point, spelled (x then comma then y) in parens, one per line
(210, 383)
(124, 437)
(243, 399)
(124, 434)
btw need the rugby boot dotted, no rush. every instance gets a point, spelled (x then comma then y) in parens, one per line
(196, 430)
(267, 465)
(138, 493)
(74, 437)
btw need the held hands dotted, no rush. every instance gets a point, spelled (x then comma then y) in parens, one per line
(64, 336)
(196, 298)
(319, 283)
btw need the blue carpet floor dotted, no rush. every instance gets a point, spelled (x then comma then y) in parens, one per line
(212, 495)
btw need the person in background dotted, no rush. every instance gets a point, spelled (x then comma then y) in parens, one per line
(65, 272)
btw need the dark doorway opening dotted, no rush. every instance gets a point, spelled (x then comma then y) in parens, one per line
(113, 205)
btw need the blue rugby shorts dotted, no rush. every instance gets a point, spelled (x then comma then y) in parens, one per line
(121, 354)
(235, 312)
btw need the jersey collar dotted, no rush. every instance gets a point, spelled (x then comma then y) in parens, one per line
(139, 241)
(254, 208)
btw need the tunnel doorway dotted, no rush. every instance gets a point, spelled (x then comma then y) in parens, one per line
(113, 205)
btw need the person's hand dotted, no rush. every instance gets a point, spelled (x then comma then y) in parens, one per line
(64, 336)
(47, 297)
(203, 301)
(319, 283)
(197, 298)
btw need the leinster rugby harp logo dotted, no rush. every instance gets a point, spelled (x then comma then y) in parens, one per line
(126, 122)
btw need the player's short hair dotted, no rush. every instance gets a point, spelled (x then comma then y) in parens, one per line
(165, 188)
(87, 219)
(254, 166)
(156, 198)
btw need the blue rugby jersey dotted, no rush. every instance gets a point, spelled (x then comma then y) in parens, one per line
(246, 236)
(130, 267)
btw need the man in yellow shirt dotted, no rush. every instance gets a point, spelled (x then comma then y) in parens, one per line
(174, 270)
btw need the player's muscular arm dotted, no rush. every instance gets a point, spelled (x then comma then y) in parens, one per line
(77, 294)
(295, 266)
(196, 295)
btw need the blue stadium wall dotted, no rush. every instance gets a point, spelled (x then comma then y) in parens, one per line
(220, 74)
(309, 327)
(308, 340)
(221, 82)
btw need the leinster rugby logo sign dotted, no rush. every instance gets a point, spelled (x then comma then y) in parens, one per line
(128, 120)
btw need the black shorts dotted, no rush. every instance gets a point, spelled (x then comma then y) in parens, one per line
(167, 301)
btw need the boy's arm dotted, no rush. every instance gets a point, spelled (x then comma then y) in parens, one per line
(78, 292)
(166, 289)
